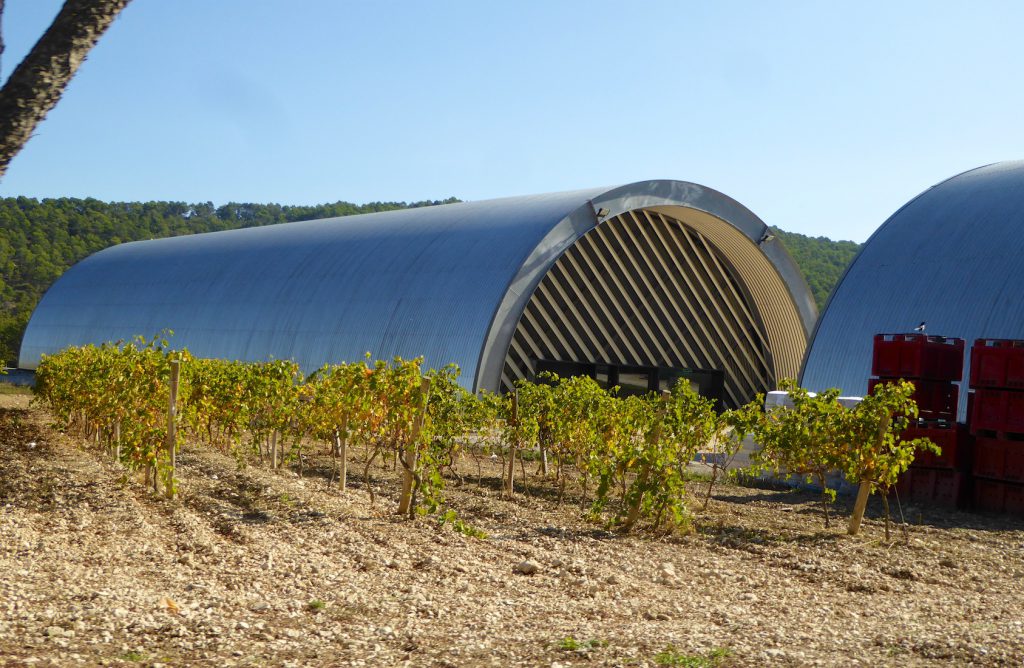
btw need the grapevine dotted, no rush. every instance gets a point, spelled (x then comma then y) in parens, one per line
(627, 456)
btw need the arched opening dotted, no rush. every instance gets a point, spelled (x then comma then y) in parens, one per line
(646, 290)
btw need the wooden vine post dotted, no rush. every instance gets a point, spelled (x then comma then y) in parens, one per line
(411, 449)
(341, 451)
(514, 445)
(172, 428)
(865, 485)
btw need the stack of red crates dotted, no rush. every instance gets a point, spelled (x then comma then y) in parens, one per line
(997, 422)
(935, 365)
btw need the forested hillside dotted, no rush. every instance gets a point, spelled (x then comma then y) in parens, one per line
(39, 240)
(821, 259)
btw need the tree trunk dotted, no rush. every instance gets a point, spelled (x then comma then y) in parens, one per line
(865, 485)
(885, 504)
(410, 483)
(637, 501)
(640, 483)
(37, 83)
(711, 485)
(2, 45)
(858, 507)
(366, 473)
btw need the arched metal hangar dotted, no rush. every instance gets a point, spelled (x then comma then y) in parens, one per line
(651, 274)
(952, 257)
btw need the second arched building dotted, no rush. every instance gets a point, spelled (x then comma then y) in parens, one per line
(951, 257)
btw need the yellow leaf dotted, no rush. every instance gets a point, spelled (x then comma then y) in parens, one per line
(168, 604)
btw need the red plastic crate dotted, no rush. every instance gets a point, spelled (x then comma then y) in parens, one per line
(999, 459)
(954, 440)
(936, 400)
(999, 496)
(997, 363)
(937, 487)
(918, 356)
(998, 410)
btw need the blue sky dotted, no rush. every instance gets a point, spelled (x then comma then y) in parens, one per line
(821, 117)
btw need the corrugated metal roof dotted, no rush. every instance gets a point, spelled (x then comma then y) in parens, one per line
(446, 282)
(952, 257)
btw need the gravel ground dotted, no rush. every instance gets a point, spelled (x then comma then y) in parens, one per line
(254, 567)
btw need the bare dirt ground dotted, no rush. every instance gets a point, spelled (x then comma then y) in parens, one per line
(254, 567)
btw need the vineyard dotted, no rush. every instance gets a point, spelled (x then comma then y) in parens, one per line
(625, 458)
(254, 565)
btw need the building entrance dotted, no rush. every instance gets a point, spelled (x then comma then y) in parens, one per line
(634, 379)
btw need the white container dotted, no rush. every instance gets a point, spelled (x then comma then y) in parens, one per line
(776, 399)
(780, 398)
(849, 402)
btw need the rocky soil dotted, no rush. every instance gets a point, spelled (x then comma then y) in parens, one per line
(253, 567)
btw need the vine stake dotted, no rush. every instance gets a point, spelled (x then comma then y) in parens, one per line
(172, 414)
(513, 446)
(341, 448)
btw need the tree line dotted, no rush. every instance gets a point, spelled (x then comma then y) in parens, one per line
(821, 260)
(41, 239)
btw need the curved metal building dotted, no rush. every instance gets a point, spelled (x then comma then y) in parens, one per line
(952, 257)
(656, 273)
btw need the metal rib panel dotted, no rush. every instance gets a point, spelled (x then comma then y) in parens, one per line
(571, 338)
(764, 281)
(615, 278)
(952, 257)
(662, 277)
(646, 282)
(722, 318)
(581, 312)
(704, 283)
(633, 295)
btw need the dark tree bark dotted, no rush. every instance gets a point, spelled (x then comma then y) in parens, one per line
(1, 36)
(37, 83)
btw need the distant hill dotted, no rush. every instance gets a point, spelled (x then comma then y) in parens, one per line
(39, 240)
(821, 260)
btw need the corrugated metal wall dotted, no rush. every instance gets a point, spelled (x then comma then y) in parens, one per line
(952, 257)
(412, 282)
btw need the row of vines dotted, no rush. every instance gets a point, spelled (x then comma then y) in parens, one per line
(625, 458)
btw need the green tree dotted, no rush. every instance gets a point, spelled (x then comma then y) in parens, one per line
(821, 260)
